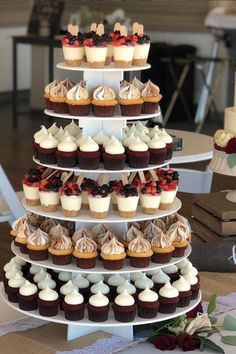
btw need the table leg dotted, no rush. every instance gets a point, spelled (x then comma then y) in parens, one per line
(14, 90)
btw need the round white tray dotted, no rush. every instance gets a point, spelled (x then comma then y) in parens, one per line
(110, 67)
(113, 216)
(91, 117)
(101, 169)
(60, 318)
(99, 269)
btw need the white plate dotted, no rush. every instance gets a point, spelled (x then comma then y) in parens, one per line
(110, 67)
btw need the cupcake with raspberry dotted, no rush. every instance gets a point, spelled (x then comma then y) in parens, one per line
(178, 234)
(138, 154)
(113, 254)
(104, 101)
(147, 303)
(31, 183)
(130, 101)
(73, 306)
(71, 199)
(78, 100)
(151, 97)
(47, 150)
(162, 248)
(99, 198)
(139, 252)
(86, 186)
(123, 50)
(37, 245)
(47, 94)
(73, 46)
(58, 98)
(114, 156)
(150, 197)
(124, 307)
(66, 153)
(127, 201)
(185, 292)
(89, 155)
(96, 48)
(169, 298)
(61, 249)
(98, 307)
(85, 252)
(49, 194)
(157, 149)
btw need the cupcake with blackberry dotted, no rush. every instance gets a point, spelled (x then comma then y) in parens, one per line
(89, 155)
(103, 101)
(127, 201)
(38, 137)
(142, 45)
(151, 97)
(85, 253)
(185, 292)
(73, 46)
(178, 235)
(116, 185)
(47, 150)
(71, 199)
(124, 307)
(160, 279)
(78, 100)
(49, 193)
(96, 48)
(37, 245)
(86, 186)
(157, 149)
(98, 308)
(162, 248)
(147, 303)
(48, 301)
(169, 143)
(138, 154)
(123, 49)
(27, 296)
(139, 252)
(73, 306)
(47, 94)
(130, 101)
(99, 198)
(150, 197)
(114, 156)
(61, 249)
(31, 183)
(66, 153)
(58, 98)
(169, 298)
(113, 254)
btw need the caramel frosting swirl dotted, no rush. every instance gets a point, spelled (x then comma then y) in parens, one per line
(38, 238)
(151, 231)
(139, 244)
(67, 83)
(160, 224)
(85, 244)
(59, 91)
(129, 92)
(112, 247)
(58, 230)
(102, 93)
(25, 229)
(131, 234)
(137, 83)
(17, 224)
(178, 232)
(150, 90)
(48, 224)
(135, 224)
(50, 86)
(99, 229)
(78, 234)
(77, 93)
(61, 242)
(161, 240)
(222, 137)
(106, 237)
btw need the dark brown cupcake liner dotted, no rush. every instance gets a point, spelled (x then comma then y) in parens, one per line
(114, 162)
(66, 159)
(147, 309)
(47, 156)
(157, 156)
(195, 291)
(138, 159)
(73, 312)
(48, 308)
(85, 292)
(179, 251)
(131, 109)
(97, 314)
(168, 305)
(124, 313)
(169, 151)
(173, 276)
(35, 149)
(161, 258)
(86, 263)
(89, 160)
(139, 262)
(12, 293)
(60, 107)
(62, 259)
(48, 104)
(28, 303)
(103, 111)
(23, 248)
(184, 298)
(79, 109)
(149, 107)
(113, 264)
(40, 255)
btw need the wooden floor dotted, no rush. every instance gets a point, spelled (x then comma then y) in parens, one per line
(16, 158)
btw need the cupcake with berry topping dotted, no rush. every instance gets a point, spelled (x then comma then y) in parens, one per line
(142, 45)
(27, 296)
(78, 100)
(89, 155)
(169, 298)
(38, 137)
(86, 186)
(151, 97)
(157, 149)
(123, 49)
(98, 307)
(150, 197)
(31, 183)
(130, 101)
(114, 156)
(169, 143)
(71, 199)
(103, 101)
(61, 249)
(124, 307)
(96, 48)
(113, 254)
(178, 233)
(127, 201)
(73, 306)
(66, 153)
(99, 198)
(73, 46)
(47, 150)
(139, 252)
(169, 183)
(37, 245)
(49, 194)
(47, 94)
(58, 98)
(185, 292)
(85, 253)
(147, 303)
(162, 248)
(138, 154)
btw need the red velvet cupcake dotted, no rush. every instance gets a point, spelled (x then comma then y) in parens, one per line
(185, 292)
(47, 150)
(124, 307)
(114, 155)
(89, 155)
(38, 137)
(194, 283)
(27, 297)
(157, 149)
(48, 301)
(169, 144)
(13, 286)
(169, 298)
(98, 308)
(73, 306)
(138, 154)
(147, 303)
(66, 153)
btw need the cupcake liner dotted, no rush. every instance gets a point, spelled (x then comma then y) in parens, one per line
(131, 109)
(179, 251)
(60, 107)
(124, 313)
(139, 262)
(12, 293)
(195, 291)
(184, 298)
(113, 264)
(89, 160)
(38, 255)
(23, 248)
(79, 109)
(168, 305)
(86, 263)
(73, 312)
(157, 156)
(47, 156)
(161, 257)
(62, 259)
(147, 309)
(28, 303)
(149, 107)
(48, 104)
(169, 151)
(138, 159)
(114, 162)
(66, 159)
(35, 149)
(103, 111)
(48, 308)
(97, 314)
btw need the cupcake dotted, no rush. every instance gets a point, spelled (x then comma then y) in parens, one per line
(96, 49)
(160, 279)
(187, 266)
(157, 149)
(142, 282)
(162, 248)
(66, 153)
(131, 138)
(130, 101)
(82, 284)
(73, 306)
(47, 150)
(99, 198)
(46, 282)
(113, 254)
(169, 144)
(34, 269)
(101, 139)
(123, 50)
(135, 276)
(72, 128)
(138, 154)
(13, 287)
(89, 155)
(127, 201)
(71, 199)
(27, 296)
(124, 307)
(66, 289)
(102, 239)
(169, 298)
(114, 282)
(98, 308)
(103, 101)
(101, 288)
(31, 183)
(194, 282)
(38, 137)
(78, 234)
(78, 100)
(40, 275)
(61, 250)
(155, 130)
(47, 94)
(63, 278)
(11, 273)
(37, 245)
(127, 286)
(151, 97)
(94, 278)
(150, 197)
(48, 302)
(172, 271)
(85, 253)
(48, 224)
(58, 98)
(185, 292)
(130, 235)
(22, 235)
(147, 303)
(178, 235)
(57, 230)
(182, 264)
(139, 252)
(49, 194)
(73, 46)
(114, 156)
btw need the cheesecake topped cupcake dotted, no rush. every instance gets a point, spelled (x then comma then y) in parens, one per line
(96, 48)
(113, 254)
(104, 101)
(49, 193)
(142, 45)
(123, 48)
(139, 252)
(99, 198)
(127, 201)
(71, 199)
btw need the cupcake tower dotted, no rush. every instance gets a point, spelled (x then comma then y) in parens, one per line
(113, 303)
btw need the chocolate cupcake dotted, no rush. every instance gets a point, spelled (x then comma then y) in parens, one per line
(113, 253)
(98, 307)
(103, 101)
(160, 279)
(169, 144)
(101, 288)
(47, 94)
(101, 139)
(162, 248)
(61, 250)
(124, 307)
(139, 252)
(99, 198)
(63, 278)
(65, 290)
(178, 233)
(47, 282)
(11, 265)
(27, 296)
(34, 269)
(185, 292)
(71, 199)
(130, 101)
(78, 100)
(89, 155)
(85, 253)
(142, 282)
(40, 275)
(47, 150)
(13, 286)
(127, 286)
(38, 137)
(195, 285)
(82, 285)
(48, 301)
(172, 271)
(169, 298)
(187, 266)
(73, 306)
(37, 245)
(138, 154)
(157, 149)
(147, 303)
(114, 281)
(114, 155)
(66, 153)
(151, 97)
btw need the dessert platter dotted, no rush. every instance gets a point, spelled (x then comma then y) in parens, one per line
(102, 244)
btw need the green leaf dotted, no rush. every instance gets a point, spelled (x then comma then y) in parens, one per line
(207, 343)
(231, 340)
(212, 304)
(213, 319)
(229, 323)
(231, 159)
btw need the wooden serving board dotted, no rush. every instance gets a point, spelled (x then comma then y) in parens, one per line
(207, 235)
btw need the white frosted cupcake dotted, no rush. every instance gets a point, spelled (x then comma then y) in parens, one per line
(124, 307)
(73, 306)
(27, 297)
(147, 303)
(98, 307)
(48, 301)
(89, 154)
(169, 298)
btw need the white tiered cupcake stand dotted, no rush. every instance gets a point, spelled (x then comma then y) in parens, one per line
(110, 76)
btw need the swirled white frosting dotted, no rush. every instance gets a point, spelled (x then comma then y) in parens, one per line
(168, 291)
(148, 295)
(124, 299)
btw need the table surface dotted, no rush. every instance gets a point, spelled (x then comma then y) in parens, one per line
(196, 147)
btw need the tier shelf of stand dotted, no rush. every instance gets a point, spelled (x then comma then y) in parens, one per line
(113, 216)
(60, 318)
(99, 269)
(108, 68)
